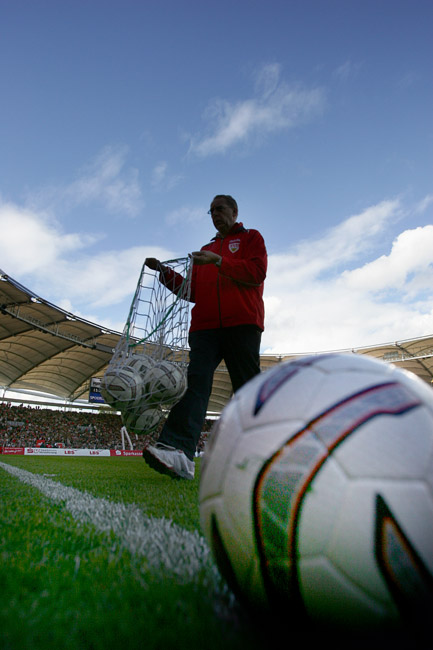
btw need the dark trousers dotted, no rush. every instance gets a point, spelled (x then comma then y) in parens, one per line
(239, 347)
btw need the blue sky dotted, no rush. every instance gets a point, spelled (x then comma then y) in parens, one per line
(120, 120)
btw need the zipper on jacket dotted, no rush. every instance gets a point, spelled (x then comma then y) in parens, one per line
(218, 286)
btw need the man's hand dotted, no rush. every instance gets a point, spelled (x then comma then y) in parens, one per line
(153, 263)
(206, 257)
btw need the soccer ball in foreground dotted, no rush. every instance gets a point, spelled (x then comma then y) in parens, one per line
(316, 493)
(141, 421)
(122, 387)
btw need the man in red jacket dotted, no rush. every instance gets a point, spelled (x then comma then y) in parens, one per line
(227, 321)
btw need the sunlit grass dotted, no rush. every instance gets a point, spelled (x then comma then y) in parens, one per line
(66, 585)
(127, 480)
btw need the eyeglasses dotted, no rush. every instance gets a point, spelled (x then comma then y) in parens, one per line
(217, 208)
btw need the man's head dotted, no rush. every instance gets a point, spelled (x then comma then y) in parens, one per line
(224, 212)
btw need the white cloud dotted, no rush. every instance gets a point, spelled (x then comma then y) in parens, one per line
(422, 206)
(65, 263)
(307, 260)
(162, 179)
(185, 214)
(318, 299)
(159, 173)
(408, 80)
(106, 180)
(276, 106)
(92, 317)
(30, 242)
(410, 257)
(267, 79)
(322, 294)
(347, 70)
(106, 278)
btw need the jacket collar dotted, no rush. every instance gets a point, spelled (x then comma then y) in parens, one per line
(237, 227)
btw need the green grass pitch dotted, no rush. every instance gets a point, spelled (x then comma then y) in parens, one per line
(102, 553)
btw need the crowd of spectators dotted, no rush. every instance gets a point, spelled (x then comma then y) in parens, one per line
(29, 426)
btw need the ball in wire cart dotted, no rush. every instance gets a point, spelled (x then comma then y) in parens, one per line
(148, 367)
(122, 387)
(164, 383)
(142, 421)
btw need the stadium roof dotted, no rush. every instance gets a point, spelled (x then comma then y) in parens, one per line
(46, 349)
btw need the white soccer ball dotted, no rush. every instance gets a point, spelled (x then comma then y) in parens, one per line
(141, 421)
(178, 378)
(316, 492)
(164, 383)
(142, 363)
(122, 387)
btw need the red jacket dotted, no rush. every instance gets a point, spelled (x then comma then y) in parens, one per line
(231, 294)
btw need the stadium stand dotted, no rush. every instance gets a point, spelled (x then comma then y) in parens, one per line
(48, 350)
(26, 426)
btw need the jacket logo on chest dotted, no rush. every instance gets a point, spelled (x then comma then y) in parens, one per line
(234, 245)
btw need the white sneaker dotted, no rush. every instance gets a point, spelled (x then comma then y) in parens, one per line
(169, 460)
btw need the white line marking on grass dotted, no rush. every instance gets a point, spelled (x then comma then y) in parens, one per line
(165, 545)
